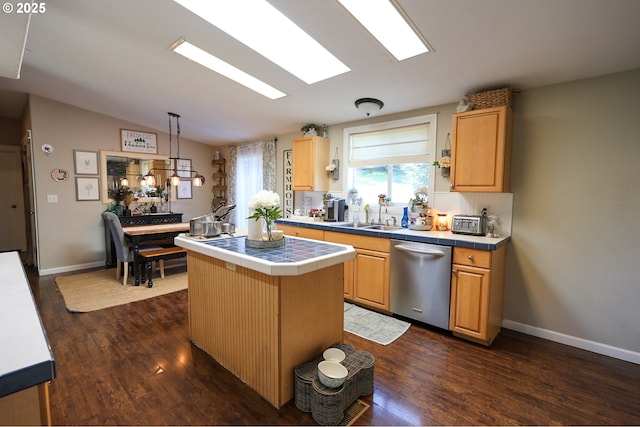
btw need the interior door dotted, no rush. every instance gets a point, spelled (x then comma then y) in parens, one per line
(12, 226)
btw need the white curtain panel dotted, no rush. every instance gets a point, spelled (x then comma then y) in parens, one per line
(248, 176)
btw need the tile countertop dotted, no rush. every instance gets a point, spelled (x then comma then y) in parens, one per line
(435, 237)
(26, 358)
(296, 257)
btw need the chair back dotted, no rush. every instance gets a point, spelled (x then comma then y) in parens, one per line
(123, 252)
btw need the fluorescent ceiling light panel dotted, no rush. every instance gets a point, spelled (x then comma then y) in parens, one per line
(266, 30)
(385, 22)
(213, 63)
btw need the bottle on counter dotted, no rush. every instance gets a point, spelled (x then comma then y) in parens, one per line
(405, 218)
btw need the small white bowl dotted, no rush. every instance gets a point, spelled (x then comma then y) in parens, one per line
(332, 374)
(333, 354)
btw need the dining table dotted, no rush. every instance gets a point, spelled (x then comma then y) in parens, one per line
(137, 234)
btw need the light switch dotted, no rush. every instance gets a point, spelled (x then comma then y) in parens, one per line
(52, 198)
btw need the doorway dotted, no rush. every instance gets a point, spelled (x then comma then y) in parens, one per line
(12, 208)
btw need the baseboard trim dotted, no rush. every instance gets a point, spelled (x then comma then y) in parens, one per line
(596, 347)
(68, 268)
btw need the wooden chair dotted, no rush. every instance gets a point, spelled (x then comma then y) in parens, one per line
(124, 252)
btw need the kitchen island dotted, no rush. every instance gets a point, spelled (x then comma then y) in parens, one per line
(27, 364)
(262, 312)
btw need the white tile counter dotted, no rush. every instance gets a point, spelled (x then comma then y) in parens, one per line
(26, 358)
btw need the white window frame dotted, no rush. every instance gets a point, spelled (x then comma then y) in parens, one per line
(432, 119)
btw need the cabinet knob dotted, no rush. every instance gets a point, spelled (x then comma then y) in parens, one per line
(454, 271)
(451, 185)
(297, 233)
(471, 257)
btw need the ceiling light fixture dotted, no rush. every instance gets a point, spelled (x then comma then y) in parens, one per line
(194, 53)
(197, 179)
(389, 24)
(369, 106)
(266, 30)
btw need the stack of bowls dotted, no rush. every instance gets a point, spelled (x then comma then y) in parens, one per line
(330, 372)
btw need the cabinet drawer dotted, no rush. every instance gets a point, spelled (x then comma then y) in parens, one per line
(307, 233)
(472, 257)
(357, 241)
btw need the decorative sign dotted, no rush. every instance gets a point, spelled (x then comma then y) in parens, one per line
(138, 142)
(288, 184)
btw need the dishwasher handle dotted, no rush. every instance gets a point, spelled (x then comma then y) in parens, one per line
(410, 249)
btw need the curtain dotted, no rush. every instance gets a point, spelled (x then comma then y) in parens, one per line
(269, 164)
(248, 173)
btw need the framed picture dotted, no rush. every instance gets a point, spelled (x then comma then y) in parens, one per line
(183, 191)
(87, 188)
(183, 167)
(139, 142)
(86, 162)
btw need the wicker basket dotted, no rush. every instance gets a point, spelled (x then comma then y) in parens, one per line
(492, 98)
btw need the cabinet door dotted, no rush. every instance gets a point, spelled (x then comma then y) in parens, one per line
(481, 150)
(469, 301)
(310, 156)
(303, 161)
(371, 278)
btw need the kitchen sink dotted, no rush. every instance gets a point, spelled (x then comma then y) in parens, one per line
(352, 225)
(383, 227)
(366, 226)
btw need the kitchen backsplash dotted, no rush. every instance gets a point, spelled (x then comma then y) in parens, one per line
(451, 203)
(498, 204)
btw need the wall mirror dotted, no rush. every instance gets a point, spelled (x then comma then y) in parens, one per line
(116, 165)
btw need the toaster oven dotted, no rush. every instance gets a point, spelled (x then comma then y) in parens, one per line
(475, 225)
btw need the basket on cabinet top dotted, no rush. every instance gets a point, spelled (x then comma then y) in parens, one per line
(492, 98)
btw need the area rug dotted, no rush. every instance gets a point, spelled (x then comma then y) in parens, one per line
(99, 289)
(373, 326)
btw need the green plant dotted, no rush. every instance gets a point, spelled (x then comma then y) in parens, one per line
(308, 127)
(120, 193)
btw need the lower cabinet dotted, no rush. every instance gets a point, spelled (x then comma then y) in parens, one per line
(477, 293)
(366, 276)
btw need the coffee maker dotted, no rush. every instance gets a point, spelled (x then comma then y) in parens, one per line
(334, 210)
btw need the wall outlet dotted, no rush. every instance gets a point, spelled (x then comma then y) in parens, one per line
(52, 198)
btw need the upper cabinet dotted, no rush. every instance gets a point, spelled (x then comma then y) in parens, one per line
(481, 150)
(310, 158)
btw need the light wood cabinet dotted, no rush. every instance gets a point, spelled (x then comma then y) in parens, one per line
(477, 293)
(481, 150)
(310, 156)
(366, 276)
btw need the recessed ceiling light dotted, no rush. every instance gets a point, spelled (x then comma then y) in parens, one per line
(263, 28)
(216, 64)
(385, 22)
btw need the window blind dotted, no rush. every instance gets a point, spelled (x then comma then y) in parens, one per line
(407, 144)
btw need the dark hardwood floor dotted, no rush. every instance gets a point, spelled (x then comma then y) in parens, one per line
(134, 365)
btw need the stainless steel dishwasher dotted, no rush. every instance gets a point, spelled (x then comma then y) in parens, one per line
(420, 282)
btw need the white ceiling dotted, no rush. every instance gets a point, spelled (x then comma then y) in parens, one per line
(112, 57)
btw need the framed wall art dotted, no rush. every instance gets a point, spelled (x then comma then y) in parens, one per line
(183, 190)
(86, 162)
(183, 167)
(138, 142)
(87, 188)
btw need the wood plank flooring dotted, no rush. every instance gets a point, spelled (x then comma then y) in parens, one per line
(134, 365)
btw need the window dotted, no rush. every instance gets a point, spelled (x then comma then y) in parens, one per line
(392, 158)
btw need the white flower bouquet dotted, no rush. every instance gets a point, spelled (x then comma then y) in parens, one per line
(266, 205)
